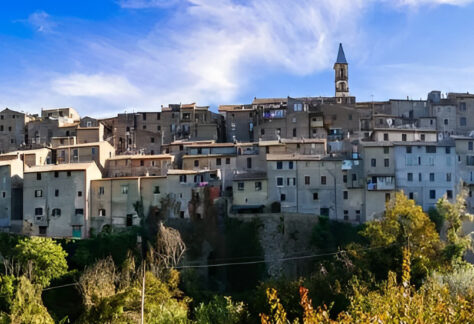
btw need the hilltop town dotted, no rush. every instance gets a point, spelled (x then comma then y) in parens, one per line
(67, 176)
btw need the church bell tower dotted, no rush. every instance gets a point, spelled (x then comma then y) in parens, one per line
(341, 71)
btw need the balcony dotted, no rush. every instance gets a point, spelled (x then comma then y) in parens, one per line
(274, 114)
(316, 122)
(381, 183)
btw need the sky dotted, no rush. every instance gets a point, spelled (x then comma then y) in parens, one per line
(110, 56)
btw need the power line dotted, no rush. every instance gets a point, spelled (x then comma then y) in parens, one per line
(66, 285)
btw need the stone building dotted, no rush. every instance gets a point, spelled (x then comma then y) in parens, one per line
(11, 195)
(98, 152)
(12, 130)
(138, 165)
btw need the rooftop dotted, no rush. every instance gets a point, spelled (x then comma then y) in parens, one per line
(61, 167)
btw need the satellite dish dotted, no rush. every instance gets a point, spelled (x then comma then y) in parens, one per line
(389, 122)
(440, 136)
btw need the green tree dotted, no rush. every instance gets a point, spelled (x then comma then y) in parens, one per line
(40, 259)
(221, 310)
(455, 213)
(404, 224)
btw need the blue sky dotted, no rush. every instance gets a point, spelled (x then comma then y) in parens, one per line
(104, 57)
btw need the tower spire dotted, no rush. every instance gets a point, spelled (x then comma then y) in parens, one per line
(341, 57)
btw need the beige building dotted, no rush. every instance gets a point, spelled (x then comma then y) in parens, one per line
(90, 134)
(30, 157)
(249, 192)
(56, 199)
(67, 115)
(404, 135)
(62, 141)
(138, 165)
(98, 152)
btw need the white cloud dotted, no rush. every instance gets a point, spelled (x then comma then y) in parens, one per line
(417, 3)
(41, 22)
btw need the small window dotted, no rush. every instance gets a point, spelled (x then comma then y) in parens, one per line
(280, 182)
(279, 165)
(446, 122)
(294, 132)
(101, 212)
(240, 186)
(124, 190)
(315, 196)
(422, 137)
(448, 150)
(258, 186)
(346, 215)
(282, 197)
(449, 194)
(218, 161)
(462, 121)
(385, 136)
(227, 160)
(448, 177)
(152, 140)
(432, 194)
(386, 163)
(470, 146)
(56, 212)
(183, 178)
(324, 212)
(142, 162)
(346, 195)
(38, 211)
(79, 211)
(69, 173)
(4, 194)
(290, 165)
(56, 174)
(432, 177)
(156, 190)
(38, 176)
(307, 180)
(373, 162)
(249, 163)
(42, 230)
(181, 214)
(101, 190)
(404, 137)
(323, 180)
(56, 193)
(420, 177)
(386, 150)
(196, 163)
(431, 149)
(408, 149)
(410, 195)
(38, 193)
(354, 177)
(79, 193)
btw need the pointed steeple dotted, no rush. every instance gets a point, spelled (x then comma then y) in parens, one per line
(341, 58)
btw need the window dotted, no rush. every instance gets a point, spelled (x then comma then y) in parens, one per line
(101, 190)
(124, 189)
(227, 160)
(79, 193)
(410, 177)
(4, 194)
(373, 162)
(282, 197)
(404, 137)
(323, 180)
(183, 178)
(38, 176)
(102, 212)
(307, 180)
(142, 162)
(350, 116)
(279, 165)
(358, 215)
(420, 177)
(249, 163)
(291, 182)
(446, 122)
(315, 196)
(462, 106)
(294, 132)
(196, 163)
(324, 212)
(240, 186)
(56, 212)
(79, 211)
(298, 107)
(432, 194)
(410, 195)
(69, 173)
(290, 165)
(38, 211)
(152, 139)
(387, 197)
(258, 186)
(279, 182)
(56, 193)
(432, 177)
(462, 121)
(346, 215)
(262, 131)
(385, 150)
(422, 137)
(408, 149)
(56, 174)
(156, 190)
(385, 136)
(344, 178)
(181, 214)
(431, 149)
(346, 195)
(42, 230)
(447, 150)
(354, 177)
(469, 146)
(448, 177)
(386, 163)
(218, 161)
(39, 193)
(449, 194)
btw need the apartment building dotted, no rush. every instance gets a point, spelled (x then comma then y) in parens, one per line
(11, 195)
(12, 130)
(29, 157)
(138, 165)
(98, 152)
(250, 192)
(56, 199)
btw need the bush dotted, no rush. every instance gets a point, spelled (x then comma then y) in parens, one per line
(221, 310)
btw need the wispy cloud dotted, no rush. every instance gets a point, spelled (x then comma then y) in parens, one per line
(141, 4)
(417, 3)
(41, 22)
